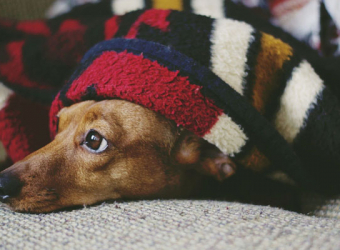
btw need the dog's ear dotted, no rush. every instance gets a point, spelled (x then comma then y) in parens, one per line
(194, 152)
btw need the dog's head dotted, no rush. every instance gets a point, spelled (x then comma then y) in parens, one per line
(108, 150)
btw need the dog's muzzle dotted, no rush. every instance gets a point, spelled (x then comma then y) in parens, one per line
(10, 186)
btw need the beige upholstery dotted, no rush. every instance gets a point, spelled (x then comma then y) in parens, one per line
(169, 224)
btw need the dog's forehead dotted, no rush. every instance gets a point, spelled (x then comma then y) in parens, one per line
(75, 109)
(130, 117)
(118, 109)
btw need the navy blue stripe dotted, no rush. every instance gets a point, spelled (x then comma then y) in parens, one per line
(267, 138)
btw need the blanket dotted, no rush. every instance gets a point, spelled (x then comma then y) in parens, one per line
(263, 104)
(317, 23)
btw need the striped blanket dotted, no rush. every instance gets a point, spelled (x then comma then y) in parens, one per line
(273, 110)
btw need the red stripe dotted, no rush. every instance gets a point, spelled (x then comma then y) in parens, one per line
(68, 45)
(34, 28)
(71, 25)
(13, 69)
(153, 18)
(23, 126)
(111, 27)
(133, 78)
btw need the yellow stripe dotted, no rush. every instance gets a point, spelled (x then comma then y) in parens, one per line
(274, 53)
(167, 4)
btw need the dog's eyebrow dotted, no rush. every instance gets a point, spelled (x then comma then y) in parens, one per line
(93, 116)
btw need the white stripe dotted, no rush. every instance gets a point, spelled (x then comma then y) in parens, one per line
(227, 136)
(4, 95)
(120, 7)
(230, 42)
(213, 8)
(301, 94)
(3, 154)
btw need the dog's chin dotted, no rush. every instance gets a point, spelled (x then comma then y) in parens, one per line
(36, 205)
(37, 208)
(35, 202)
(29, 207)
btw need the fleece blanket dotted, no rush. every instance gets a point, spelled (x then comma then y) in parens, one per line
(261, 102)
(312, 22)
(315, 22)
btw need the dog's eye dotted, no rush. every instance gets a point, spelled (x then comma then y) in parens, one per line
(95, 142)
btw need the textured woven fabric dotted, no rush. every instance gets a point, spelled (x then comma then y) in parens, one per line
(311, 21)
(168, 225)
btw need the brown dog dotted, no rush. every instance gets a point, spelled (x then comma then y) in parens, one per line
(108, 150)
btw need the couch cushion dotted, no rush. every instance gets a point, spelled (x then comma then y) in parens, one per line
(168, 224)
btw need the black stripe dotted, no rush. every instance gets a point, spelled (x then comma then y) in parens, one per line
(148, 4)
(192, 40)
(187, 5)
(252, 55)
(4, 57)
(95, 32)
(39, 95)
(10, 34)
(327, 30)
(318, 142)
(42, 70)
(126, 22)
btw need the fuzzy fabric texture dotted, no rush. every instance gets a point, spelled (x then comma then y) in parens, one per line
(311, 21)
(315, 22)
(268, 108)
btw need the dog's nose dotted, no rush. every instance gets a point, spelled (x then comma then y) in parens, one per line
(10, 186)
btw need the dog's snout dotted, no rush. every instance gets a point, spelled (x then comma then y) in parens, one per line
(10, 186)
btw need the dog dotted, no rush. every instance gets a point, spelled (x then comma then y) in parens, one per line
(276, 109)
(109, 150)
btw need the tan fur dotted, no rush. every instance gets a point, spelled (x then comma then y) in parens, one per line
(147, 157)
